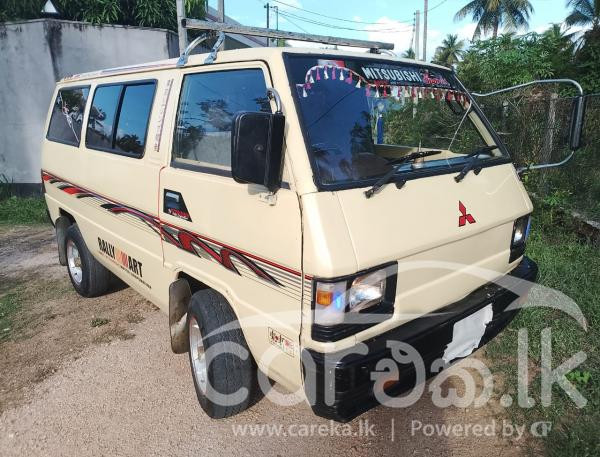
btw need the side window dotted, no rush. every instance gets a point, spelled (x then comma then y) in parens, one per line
(102, 117)
(207, 105)
(119, 116)
(67, 115)
(133, 118)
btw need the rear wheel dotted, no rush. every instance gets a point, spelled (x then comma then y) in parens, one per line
(222, 368)
(89, 277)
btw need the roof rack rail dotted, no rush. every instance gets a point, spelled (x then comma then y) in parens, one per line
(221, 27)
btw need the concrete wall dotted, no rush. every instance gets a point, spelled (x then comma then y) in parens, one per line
(35, 54)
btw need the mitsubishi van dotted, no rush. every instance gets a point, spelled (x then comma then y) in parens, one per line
(292, 211)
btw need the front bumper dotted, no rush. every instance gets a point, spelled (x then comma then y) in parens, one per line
(345, 380)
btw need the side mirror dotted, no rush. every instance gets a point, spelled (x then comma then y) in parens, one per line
(257, 148)
(576, 126)
(576, 123)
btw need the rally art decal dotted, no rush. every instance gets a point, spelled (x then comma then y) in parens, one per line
(126, 262)
(198, 245)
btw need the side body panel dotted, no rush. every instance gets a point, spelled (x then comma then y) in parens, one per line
(242, 245)
(113, 199)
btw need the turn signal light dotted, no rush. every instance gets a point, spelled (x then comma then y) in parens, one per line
(324, 297)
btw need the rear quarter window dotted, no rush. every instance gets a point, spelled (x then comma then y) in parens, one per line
(67, 115)
(119, 116)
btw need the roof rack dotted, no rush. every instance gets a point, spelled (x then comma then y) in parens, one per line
(221, 28)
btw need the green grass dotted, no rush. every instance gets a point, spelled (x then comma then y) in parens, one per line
(572, 266)
(99, 321)
(9, 305)
(23, 211)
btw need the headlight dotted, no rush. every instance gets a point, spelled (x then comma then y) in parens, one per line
(334, 300)
(519, 237)
(367, 290)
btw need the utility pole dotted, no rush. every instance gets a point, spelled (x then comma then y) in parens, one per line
(221, 10)
(181, 31)
(268, 8)
(425, 32)
(276, 8)
(417, 36)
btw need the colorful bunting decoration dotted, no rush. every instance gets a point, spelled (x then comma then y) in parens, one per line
(380, 88)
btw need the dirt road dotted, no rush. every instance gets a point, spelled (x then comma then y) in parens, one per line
(71, 388)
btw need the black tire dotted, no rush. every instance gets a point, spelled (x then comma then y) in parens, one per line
(229, 365)
(95, 278)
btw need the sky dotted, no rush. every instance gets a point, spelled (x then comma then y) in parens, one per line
(380, 20)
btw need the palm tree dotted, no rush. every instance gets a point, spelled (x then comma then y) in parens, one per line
(558, 33)
(490, 15)
(408, 54)
(584, 13)
(450, 52)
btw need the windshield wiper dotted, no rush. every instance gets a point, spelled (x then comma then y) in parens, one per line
(473, 162)
(397, 162)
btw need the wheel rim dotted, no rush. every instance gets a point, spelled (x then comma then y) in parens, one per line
(197, 354)
(74, 262)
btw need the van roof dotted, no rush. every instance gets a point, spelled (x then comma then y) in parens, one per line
(236, 55)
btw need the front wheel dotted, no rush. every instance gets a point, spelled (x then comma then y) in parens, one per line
(221, 363)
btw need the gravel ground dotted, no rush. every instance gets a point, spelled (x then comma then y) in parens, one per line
(135, 397)
(132, 396)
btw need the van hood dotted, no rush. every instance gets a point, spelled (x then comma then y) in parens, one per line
(436, 229)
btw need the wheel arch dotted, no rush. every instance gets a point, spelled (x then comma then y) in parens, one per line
(61, 224)
(180, 294)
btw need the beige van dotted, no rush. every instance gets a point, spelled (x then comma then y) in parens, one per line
(292, 211)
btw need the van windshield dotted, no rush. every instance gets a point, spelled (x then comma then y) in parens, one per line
(361, 115)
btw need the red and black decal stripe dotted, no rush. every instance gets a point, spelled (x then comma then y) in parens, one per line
(183, 239)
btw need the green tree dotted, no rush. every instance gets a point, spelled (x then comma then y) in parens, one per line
(584, 13)
(408, 54)
(490, 15)
(556, 32)
(507, 60)
(587, 61)
(144, 13)
(450, 52)
(560, 48)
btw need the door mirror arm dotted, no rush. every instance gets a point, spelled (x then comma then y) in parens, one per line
(274, 95)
